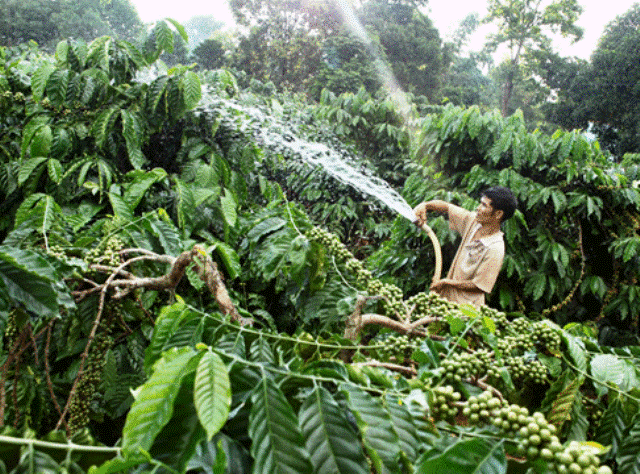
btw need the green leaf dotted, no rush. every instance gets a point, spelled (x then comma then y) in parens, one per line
(120, 208)
(180, 28)
(402, 423)
(36, 462)
(153, 405)
(229, 258)
(40, 209)
(610, 430)
(54, 167)
(277, 445)
(167, 323)
(561, 408)
(579, 421)
(102, 124)
(39, 80)
(164, 37)
(559, 200)
(608, 369)
(330, 438)
(142, 181)
(132, 131)
(474, 456)
(566, 145)
(185, 203)
(61, 144)
(99, 53)
(260, 351)
(155, 93)
(30, 168)
(228, 204)
(628, 458)
(576, 351)
(176, 443)
(265, 227)
(41, 142)
(212, 393)
(57, 86)
(29, 131)
(119, 465)
(380, 440)
(168, 235)
(192, 90)
(27, 278)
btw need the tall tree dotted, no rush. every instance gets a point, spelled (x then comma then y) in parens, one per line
(464, 82)
(568, 78)
(411, 43)
(200, 28)
(602, 95)
(46, 22)
(614, 99)
(281, 46)
(209, 54)
(524, 27)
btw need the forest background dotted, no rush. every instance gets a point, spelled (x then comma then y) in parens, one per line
(180, 291)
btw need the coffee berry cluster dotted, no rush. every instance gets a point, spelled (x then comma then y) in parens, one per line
(429, 304)
(534, 436)
(105, 254)
(523, 335)
(594, 411)
(56, 251)
(464, 366)
(89, 381)
(10, 330)
(527, 370)
(574, 459)
(444, 402)
(479, 408)
(398, 347)
(331, 242)
(545, 337)
(335, 247)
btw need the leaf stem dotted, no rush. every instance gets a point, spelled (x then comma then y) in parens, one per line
(593, 379)
(61, 446)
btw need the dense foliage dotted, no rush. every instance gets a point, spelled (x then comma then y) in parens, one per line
(180, 291)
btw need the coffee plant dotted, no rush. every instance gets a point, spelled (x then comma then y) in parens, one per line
(181, 292)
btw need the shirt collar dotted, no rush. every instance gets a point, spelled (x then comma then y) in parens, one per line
(489, 239)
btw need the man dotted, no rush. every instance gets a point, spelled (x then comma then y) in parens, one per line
(478, 260)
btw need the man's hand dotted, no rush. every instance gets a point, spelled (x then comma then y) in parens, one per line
(421, 213)
(421, 209)
(440, 285)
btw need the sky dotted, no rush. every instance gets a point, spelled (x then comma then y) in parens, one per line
(446, 14)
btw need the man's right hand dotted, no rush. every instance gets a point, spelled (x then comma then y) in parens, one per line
(421, 213)
(441, 207)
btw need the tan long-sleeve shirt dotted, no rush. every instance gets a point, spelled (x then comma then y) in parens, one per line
(478, 261)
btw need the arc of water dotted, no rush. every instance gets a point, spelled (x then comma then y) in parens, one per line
(320, 155)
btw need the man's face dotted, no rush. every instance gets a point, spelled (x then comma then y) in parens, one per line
(486, 214)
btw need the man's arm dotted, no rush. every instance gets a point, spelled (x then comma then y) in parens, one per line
(441, 207)
(464, 285)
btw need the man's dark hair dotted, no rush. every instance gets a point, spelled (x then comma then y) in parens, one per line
(502, 199)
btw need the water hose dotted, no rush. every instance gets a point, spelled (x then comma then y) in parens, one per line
(436, 248)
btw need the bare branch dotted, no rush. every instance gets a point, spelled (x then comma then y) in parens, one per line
(395, 367)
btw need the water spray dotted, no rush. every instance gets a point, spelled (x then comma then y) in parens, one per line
(319, 155)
